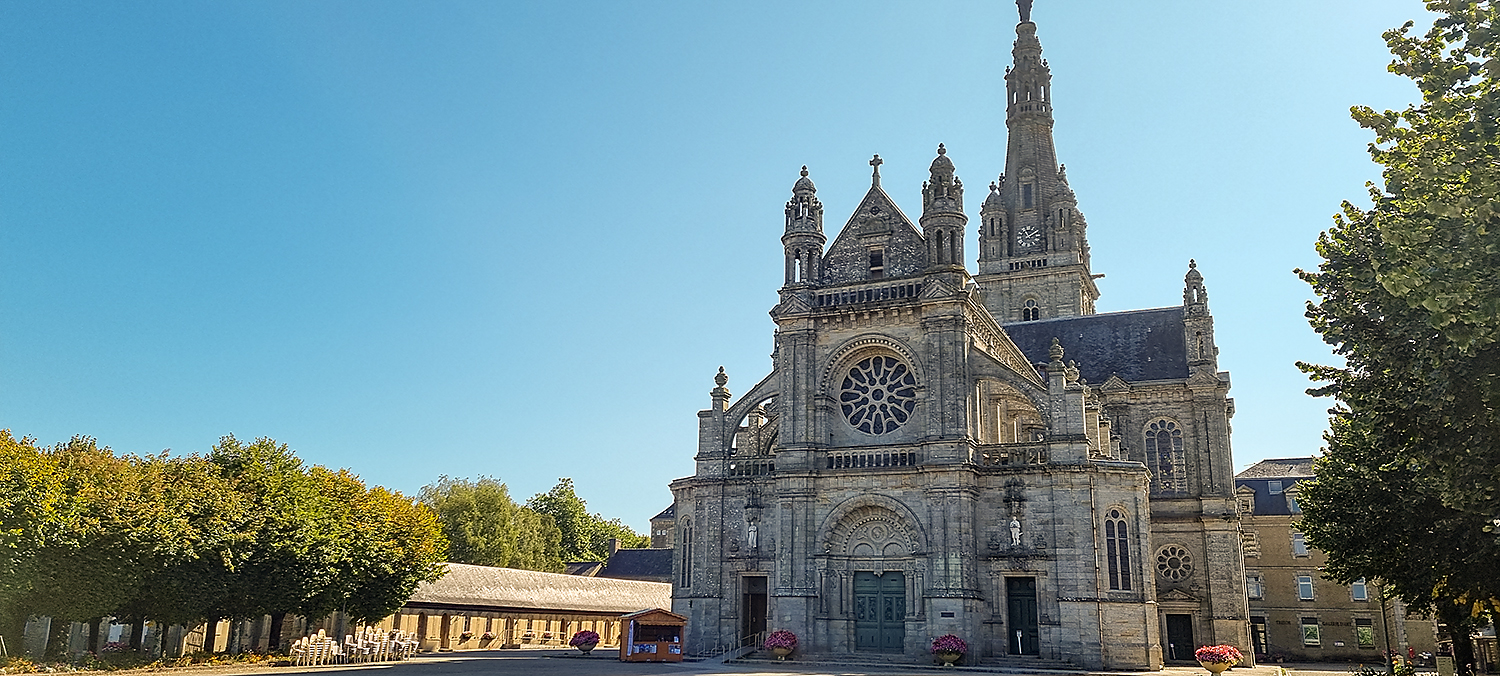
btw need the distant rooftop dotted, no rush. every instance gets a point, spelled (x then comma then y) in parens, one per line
(640, 564)
(504, 588)
(1278, 468)
(668, 513)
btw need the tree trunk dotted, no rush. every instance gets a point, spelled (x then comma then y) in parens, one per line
(208, 635)
(94, 634)
(57, 640)
(1456, 621)
(273, 635)
(137, 633)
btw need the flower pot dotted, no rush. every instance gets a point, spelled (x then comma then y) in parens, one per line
(1216, 667)
(949, 658)
(586, 647)
(781, 653)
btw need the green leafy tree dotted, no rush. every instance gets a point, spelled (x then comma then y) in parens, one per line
(585, 536)
(31, 509)
(1425, 259)
(485, 527)
(1409, 296)
(387, 546)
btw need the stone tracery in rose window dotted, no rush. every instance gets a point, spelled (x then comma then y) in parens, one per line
(878, 395)
(1174, 563)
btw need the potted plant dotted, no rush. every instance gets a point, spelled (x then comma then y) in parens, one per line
(465, 636)
(584, 641)
(781, 642)
(1217, 658)
(949, 648)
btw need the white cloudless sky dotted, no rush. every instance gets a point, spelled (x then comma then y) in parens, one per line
(518, 239)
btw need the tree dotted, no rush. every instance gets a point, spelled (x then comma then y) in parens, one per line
(1380, 518)
(485, 527)
(387, 546)
(1409, 296)
(585, 536)
(1425, 259)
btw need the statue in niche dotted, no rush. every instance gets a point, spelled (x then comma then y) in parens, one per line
(1015, 531)
(752, 535)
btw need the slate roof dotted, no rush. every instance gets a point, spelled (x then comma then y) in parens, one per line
(669, 513)
(1135, 345)
(505, 588)
(1278, 468)
(588, 568)
(640, 564)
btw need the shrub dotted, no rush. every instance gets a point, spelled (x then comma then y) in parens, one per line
(1219, 654)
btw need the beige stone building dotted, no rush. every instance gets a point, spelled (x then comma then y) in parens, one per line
(1295, 613)
(938, 451)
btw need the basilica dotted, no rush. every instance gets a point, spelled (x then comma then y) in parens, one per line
(944, 451)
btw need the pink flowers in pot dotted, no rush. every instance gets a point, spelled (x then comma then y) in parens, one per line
(1218, 654)
(948, 643)
(584, 637)
(781, 638)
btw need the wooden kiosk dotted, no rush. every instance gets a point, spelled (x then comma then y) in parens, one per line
(651, 635)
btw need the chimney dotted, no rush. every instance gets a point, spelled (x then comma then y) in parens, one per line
(614, 545)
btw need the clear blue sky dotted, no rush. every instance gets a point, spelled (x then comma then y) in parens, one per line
(518, 239)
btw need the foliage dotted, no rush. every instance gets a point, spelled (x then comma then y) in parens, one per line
(948, 643)
(1218, 654)
(485, 527)
(244, 531)
(584, 637)
(1410, 289)
(781, 638)
(1409, 296)
(585, 536)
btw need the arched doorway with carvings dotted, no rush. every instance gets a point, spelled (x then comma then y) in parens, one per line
(872, 575)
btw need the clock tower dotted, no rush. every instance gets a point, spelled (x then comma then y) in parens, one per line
(1033, 248)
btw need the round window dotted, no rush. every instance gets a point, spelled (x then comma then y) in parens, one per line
(878, 395)
(1173, 563)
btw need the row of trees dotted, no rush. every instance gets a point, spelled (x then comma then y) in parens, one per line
(1408, 489)
(243, 531)
(248, 530)
(484, 526)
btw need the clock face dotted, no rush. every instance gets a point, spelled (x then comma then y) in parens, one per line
(1028, 237)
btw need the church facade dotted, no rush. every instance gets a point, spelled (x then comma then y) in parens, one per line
(937, 451)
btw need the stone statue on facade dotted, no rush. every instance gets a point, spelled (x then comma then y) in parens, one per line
(1025, 7)
(752, 533)
(1015, 531)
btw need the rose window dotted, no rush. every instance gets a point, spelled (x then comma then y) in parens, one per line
(1174, 563)
(878, 395)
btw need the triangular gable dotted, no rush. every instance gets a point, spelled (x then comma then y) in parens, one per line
(1177, 595)
(877, 223)
(650, 615)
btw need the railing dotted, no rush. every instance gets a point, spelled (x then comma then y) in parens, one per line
(870, 459)
(869, 294)
(735, 646)
(1014, 454)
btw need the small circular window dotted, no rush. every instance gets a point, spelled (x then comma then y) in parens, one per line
(878, 395)
(1173, 563)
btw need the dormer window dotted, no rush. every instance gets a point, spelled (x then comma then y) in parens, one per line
(877, 263)
(1274, 487)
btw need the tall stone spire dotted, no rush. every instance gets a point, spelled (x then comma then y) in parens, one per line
(1032, 233)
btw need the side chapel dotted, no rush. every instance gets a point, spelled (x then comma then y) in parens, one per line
(936, 451)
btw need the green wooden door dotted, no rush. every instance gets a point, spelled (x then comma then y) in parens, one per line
(880, 612)
(1020, 596)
